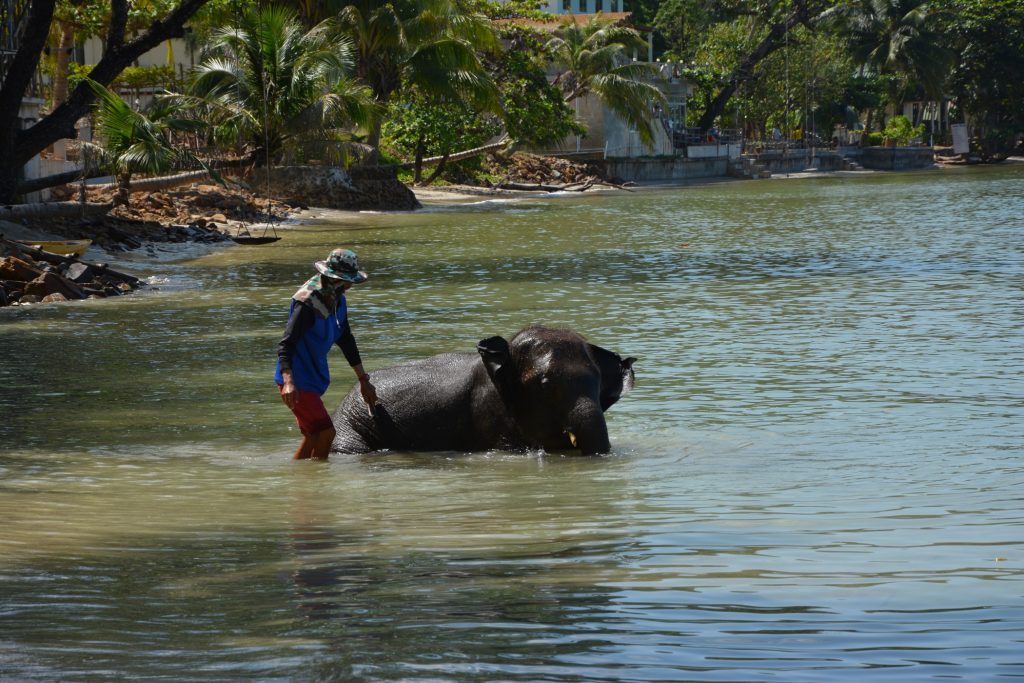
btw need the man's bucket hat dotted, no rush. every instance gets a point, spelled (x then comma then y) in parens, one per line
(342, 264)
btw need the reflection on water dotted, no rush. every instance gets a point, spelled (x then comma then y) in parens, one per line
(816, 478)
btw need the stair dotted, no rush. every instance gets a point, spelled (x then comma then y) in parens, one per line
(750, 168)
(849, 164)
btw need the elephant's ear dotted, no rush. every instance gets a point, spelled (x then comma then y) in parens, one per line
(617, 376)
(497, 359)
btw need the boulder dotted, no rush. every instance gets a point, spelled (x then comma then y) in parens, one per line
(13, 268)
(79, 272)
(52, 283)
(56, 297)
(333, 187)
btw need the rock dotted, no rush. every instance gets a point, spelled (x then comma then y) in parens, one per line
(52, 283)
(13, 268)
(79, 272)
(374, 188)
(29, 299)
(56, 297)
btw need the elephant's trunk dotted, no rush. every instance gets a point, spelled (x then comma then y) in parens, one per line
(587, 427)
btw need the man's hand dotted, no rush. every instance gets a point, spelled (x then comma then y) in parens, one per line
(289, 394)
(369, 393)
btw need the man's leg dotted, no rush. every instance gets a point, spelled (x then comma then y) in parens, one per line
(305, 449)
(322, 444)
(316, 426)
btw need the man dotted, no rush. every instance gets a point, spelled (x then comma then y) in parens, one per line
(317, 320)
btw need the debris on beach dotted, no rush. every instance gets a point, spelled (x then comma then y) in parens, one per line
(523, 171)
(197, 213)
(29, 275)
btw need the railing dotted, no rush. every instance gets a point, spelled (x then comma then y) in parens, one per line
(684, 137)
(13, 14)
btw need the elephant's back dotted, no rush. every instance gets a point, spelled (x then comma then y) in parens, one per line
(423, 404)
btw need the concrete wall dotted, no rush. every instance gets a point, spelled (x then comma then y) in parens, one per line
(732, 151)
(797, 160)
(897, 158)
(650, 170)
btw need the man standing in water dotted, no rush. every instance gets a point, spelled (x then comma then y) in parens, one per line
(317, 320)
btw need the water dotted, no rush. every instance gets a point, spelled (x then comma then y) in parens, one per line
(817, 478)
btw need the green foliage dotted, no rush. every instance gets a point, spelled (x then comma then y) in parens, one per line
(92, 17)
(268, 84)
(429, 45)
(875, 139)
(901, 130)
(595, 58)
(509, 9)
(901, 39)
(133, 142)
(986, 78)
(533, 109)
(134, 77)
(417, 126)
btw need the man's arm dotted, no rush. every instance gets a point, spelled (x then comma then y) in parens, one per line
(299, 322)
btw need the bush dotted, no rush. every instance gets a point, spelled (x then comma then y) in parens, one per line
(900, 130)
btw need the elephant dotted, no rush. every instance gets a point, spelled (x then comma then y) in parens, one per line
(546, 389)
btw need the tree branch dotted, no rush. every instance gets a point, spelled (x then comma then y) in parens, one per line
(61, 122)
(118, 20)
(23, 66)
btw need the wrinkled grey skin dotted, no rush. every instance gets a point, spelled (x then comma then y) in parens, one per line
(543, 389)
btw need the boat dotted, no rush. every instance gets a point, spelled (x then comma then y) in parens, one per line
(61, 247)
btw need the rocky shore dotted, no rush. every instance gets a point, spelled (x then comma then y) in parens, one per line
(30, 275)
(202, 213)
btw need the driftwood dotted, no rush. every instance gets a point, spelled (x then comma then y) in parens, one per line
(57, 259)
(579, 186)
(52, 209)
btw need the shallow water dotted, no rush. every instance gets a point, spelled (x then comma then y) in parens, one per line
(817, 478)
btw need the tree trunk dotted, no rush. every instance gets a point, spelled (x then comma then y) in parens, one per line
(417, 174)
(17, 147)
(437, 171)
(60, 76)
(745, 71)
(124, 183)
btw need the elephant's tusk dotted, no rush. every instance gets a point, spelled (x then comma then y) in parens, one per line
(572, 439)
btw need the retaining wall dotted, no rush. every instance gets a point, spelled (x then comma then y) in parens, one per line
(661, 169)
(896, 158)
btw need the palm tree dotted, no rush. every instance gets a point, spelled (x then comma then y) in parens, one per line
(593, 59)
(427, 44)
(268, 83)
(899, 39)
(136, 143)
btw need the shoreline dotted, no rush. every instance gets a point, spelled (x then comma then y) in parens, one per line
(146, 238)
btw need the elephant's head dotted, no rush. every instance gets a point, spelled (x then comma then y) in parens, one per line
(556, 386)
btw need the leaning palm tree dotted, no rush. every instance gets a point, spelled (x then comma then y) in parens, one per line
(592, 58)
(899, 39)
(427, 44)
(133, 142)
(267, 83)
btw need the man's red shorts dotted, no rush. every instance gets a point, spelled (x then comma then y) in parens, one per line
(310, 413)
